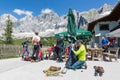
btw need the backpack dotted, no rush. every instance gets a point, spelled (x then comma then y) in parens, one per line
(25, 43)
(40, 54)
(26, 58)
(72, 58)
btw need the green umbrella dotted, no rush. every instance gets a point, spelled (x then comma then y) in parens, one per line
(80, 34)
(61, 34)
(83, 33)
(71, 26)
(72, 32)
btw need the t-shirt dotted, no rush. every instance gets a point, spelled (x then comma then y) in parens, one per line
(36, 40)
(25, 44)
(104, 41)
(81, 53)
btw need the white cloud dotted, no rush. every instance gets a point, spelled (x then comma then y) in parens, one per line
(46, 10)
(21, 12)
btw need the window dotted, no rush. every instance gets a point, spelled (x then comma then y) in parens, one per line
(104, 27)
(119, 23)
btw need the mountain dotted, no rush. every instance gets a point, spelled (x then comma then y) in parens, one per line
(105, 8)
(48, 22)
(94, 14)
(82, 23)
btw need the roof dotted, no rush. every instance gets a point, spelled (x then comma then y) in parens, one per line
(117, 27)
(113, 16)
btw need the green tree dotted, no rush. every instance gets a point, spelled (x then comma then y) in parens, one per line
(8, 31)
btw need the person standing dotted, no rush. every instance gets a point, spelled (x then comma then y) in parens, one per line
(25, 48)
(59, 49)
(36, 42)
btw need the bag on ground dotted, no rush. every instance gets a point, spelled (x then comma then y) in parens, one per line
(72, 58)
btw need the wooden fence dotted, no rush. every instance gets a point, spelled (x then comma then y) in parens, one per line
(12, 50)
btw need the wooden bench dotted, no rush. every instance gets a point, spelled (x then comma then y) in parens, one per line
(95, 53)
(112, 53)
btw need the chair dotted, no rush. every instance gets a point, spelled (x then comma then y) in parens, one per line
(88, 54)
(112, 53)
(95, 53)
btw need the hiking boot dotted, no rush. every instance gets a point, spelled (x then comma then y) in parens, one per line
(84, 66)
(100, 74)
(96, 71)
(100, 70)
(41, 58)
(53, 68)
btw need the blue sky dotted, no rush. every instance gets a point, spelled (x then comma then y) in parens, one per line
(20, 8)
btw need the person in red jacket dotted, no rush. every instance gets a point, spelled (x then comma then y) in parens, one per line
(50, 50)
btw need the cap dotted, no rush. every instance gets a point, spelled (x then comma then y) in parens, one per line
(103, 37)
(79, 41)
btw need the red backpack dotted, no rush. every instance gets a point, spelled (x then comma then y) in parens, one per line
(26, 58)
(40, 53)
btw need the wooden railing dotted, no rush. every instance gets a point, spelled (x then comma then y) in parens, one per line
(13, 50)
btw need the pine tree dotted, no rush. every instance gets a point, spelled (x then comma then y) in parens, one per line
(8, 31)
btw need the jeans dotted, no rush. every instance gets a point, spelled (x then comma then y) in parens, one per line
(35, 51)
(59, 54)
(77, 65)
(24, 51)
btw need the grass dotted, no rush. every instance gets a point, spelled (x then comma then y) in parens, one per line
(46, 41)
(18, 41)
(8, 57)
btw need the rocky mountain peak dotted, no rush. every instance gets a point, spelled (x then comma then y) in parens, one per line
(4, 17)
(48, 22)
(105, 8)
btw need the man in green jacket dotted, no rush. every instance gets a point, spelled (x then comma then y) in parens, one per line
(81, 54)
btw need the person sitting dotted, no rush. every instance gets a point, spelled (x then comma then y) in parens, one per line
(50, 50)
(81, 54)
(105, 44)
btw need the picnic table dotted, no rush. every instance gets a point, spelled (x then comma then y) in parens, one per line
(96, 53)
